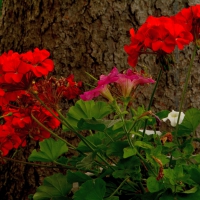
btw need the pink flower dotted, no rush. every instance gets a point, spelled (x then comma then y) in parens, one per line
(128, 82)
(124, 82)
(111, 78)
(100, 89)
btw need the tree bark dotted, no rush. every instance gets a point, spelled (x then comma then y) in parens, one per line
(88, 35)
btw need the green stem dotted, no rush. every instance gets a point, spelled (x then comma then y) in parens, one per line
(142, 188)
(85, 141)
(91, 132)
(52, 133)
(91, 76)
(155, 87)
(129, 139)
(64, 122)
(108, 136)
(185, 88)
(121, 184)
(152, 96)
(46, 166)
(34, 164)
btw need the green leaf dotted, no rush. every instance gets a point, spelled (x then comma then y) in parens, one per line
(197, 158)
(188, 150)
(154, 185)
(53, 186)
(194, 175)
(128, 167)
(87, 162)
(96, 139)
(50, 150)
(91, 124)
(78, 176)
(170, 145)
(156, 151)
(86, 110)
(170, 174)
(135, 133)
(95, 124)
(91, 190)
(129, 163)
(192, 190)
(163, 114)
(116, 148)
(143, 145)
(194, 196)
(62, 160)
(112, 198)
(190, 122)
(178, 171)
(128, 151)
(176, 153)
(30, 196)
(135, 173)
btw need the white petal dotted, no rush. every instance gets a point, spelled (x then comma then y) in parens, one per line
(151, 132)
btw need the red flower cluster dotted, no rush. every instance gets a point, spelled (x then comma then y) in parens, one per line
(190, 19)
(23, 75)
(162, 34)
(52, 90)
(18, 70)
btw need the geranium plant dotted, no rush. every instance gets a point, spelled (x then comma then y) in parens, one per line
(124, 154)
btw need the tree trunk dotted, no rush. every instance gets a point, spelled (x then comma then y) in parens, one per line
(87, 35)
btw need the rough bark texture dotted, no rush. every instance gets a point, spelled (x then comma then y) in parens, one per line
(88, 35)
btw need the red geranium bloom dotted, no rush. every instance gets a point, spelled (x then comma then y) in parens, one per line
(160, 35)
(9, 96)
(12, 67)
(38, 61)
(72, 88)
(189, 18)
(8, 139)
(46, 118)
(137, 43)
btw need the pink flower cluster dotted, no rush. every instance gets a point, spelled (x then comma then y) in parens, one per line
(124, 82)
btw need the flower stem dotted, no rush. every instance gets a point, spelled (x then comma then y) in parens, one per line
(129, 137)
(154, 89)
(91, 76)
(62, 119)
(121, 184)
(84, 140)
(52, 133)
(152, 96)
(30, 163)
(185, 88)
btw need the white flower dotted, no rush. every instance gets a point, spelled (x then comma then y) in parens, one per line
(151, 132)
(173, 117)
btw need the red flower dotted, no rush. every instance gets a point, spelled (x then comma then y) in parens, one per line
(51, 90)
(38, 61)
(46, 118)
(18, 71)
(160, 35)
(12, 68)
(189, 18)
(137, 43)
(8, 139)
(8, 97)
(72, 88)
